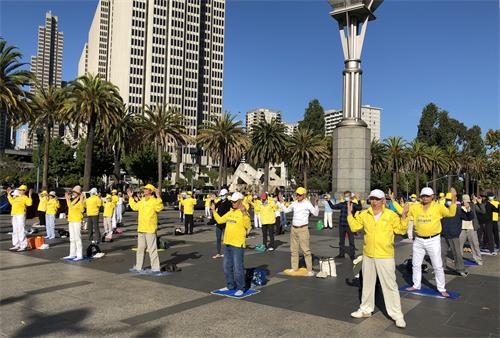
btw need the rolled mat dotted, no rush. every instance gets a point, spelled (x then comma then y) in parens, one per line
(300, 272)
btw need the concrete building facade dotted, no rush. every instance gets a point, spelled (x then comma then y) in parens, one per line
(291, 127)
(261, 114)
(369, 114)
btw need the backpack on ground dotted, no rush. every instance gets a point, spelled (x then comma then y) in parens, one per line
(63, 233)
(92, 250)
(161, 243)
(178, 232)
(327, 266)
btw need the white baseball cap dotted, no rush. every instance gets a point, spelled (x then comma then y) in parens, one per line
(426, 191)
(236, 196)
(223, 192)
(93, 191)
(377, 193)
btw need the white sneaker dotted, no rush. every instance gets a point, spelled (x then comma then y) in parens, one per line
(479, 263)
(69, 257)
(360, 314)
(270, 249)
(401, 323)
(238, 293)
(290, 271)
(14, 248)
(310, 274)
(77, 259)
(224, 289)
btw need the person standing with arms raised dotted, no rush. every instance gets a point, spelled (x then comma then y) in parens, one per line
(299, 235)
(188, 205)
(76, 205)
(93, 204)
(19, 203)
(222, 206)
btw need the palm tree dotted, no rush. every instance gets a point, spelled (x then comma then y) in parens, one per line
(162, 126)
(396, 148)
(478, 169)
(378, 156)
(418, 160)
(437, 163)
(453, 162)
(225, 140)
(269, 143)
(307, 148)
(46, 107)
(96, 103)
(12, 79)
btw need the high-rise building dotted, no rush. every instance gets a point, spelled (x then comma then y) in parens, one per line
(166, 52)
(369, 114)
(291, 127)
(22, 135)
(261, 114)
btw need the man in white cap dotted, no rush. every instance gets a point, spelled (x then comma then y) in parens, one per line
(76, 206)
(237, 223)
(19, 203)
(222, 207)
(93, 204)
(379, 225)
(426, 217)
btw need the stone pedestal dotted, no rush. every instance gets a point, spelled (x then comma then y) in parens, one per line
(351, 159)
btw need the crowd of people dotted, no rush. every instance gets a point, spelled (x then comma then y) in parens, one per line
(438, 228)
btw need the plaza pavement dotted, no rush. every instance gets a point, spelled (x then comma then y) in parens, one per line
(42, 295)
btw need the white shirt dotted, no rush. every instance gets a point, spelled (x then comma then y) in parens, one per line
(301, 211)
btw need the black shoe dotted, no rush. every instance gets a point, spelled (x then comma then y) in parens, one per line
(352, 257)
(340, 256)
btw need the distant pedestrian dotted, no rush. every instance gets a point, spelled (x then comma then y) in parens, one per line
(491, 225)
(93, 205)
(188, 205)
(207, 201)
(328, 214)
(109, 209)
(114, 199)
(256, 204)
(76, 206)
(42, 207)
(119, 209)
(50, 215)
(268, 218)
(19, 202)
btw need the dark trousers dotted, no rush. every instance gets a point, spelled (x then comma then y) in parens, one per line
(234, 270)
(93, 225)
(489, 241)
(268, 229)
(219, 232)
(41, 216)
(188, 224)
(342, 249)
(278, 226)
(481, 236)
(495, 234)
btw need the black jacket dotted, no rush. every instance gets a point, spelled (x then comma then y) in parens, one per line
(222, 207)
(452, 226)
(490, 209)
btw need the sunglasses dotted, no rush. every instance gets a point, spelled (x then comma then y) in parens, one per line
(424, 196)
(375, 199)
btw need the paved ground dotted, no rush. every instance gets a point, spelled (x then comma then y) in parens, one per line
(41, 295)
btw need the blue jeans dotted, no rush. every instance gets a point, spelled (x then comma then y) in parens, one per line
(233, 267)
(283, 219)
(219, 233)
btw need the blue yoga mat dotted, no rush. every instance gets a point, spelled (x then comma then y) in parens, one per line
(230, 293)
(148, 272)
(468, 262)
(430, 292)
(85, 259)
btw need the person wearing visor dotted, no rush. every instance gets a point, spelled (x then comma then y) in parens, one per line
(379, 225)
(148, 208)
(426, 216)
(76, 206)
(19, 202)
(442, 198)
(237, 223)
(299, 235)
(222, 206)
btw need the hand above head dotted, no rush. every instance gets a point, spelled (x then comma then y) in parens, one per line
(158, 192)
(406, 208)
(391, 195)
(9, 190)
(453, 194)
(130, 193)
(349, 208)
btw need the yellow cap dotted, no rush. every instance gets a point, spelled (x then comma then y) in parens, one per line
(149, 187)
(108, 196)
(189, 193)
(44, 192)
(413, 196)
(441, 194)
(301, 191)
(114, 191)
(23, 187)
(448, 196)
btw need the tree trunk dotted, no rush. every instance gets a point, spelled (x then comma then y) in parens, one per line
(117, 168)
(467, 183)
(224, 177)
(46, 144)
(178, 164)
(305, 178)
(160, 167)
(395, 183)
(449, 182)
(417, 182)
(221, 169)
(434, 182)
(266, 177)
(89, 147)
(477, 187)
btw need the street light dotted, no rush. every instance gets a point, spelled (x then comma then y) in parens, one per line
(39, 139)
(460, 178)
(194, 153)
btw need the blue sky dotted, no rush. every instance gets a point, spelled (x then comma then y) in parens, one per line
(282, 54)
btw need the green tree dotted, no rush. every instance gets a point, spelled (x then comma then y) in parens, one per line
(61, 162)
(269, 143)
(473, 141)
(453, 163)
(417, 160)
(449, 131)
(143, 163)
(96, 103)
(396, 153)
(102, 161)
(225, 140)
(314, 118)
(437, 163)
(13, 98)
(378, 157)
(307, 147)
(46, 107)
(428, 123)
(163, 126)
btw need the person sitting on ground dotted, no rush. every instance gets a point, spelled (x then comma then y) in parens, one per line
(222, 206)
(237, 223)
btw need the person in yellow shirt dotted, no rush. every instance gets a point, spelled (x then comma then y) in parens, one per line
(42, 207)
(19, 201)
(114, 198)
(268, 218)
(93, 204)
(237, 223)
(188, 205)
(109, 208)
(208, 200)
(148, 208)
(256, 203)
(379, 225)
(50, 215)
(180, 198)
(76, 206)
(426, 217)
(442, 198)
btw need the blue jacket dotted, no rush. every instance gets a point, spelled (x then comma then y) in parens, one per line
(452, 226)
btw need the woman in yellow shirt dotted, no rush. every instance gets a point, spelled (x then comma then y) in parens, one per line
(42, 207)
(50, 215)
(109, 208)
(76, 205)
(19, 201)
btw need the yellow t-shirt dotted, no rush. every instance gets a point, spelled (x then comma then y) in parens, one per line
(268, 212)
(75, 210)
(207, 201)
(148, 213)
(257, 205)
(188, 205)
(108, 208)
(237, 225)
(42, 205)
(428, 222)
(52, 206)
(115, 199)
(19, 204)
(93, 203)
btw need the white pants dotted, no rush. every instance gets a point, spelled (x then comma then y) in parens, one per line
(119, 213)
(256, 221)
(113, 219)
(50, 222)
(75, 239)
(385, 269)
(327, 222)
(207, 212)
(432, 247)
(18, 235)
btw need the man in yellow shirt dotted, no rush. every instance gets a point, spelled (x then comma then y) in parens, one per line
(379, 225)
(42, 207)
(426, 217)
(442, 198)
(93, 204)
(50, 215)
(237, 223)
(268, 218)
(188, 205)
(109, 208)
(148, 208)
(19, 201)
(76, 206)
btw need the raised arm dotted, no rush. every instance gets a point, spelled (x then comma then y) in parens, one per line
(399, 226)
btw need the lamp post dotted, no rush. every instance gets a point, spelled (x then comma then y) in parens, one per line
(460, 178)
(194, 153)
(39, 139)
(351, 137)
